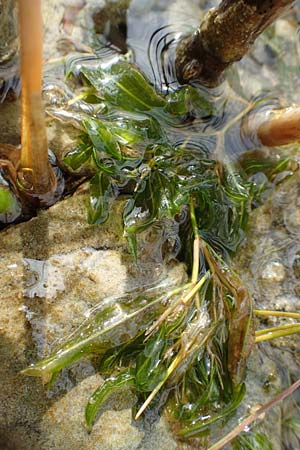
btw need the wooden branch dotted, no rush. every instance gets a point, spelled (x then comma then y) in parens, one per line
(224, 37)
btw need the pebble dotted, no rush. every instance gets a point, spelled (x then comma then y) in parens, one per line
(274, 271)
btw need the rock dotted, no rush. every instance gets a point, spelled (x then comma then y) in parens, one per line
(53, 269)
(274, 271)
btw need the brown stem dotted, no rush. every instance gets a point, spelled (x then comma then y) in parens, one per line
(254, 416)
(224, 37)
(36, 175)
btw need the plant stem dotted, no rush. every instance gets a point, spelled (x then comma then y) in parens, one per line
(35, 175)
(182, 299)
(224, 37)
(255, 415)
(280, 327)
(267, 313)
(149, 399)
(196, 246)
(195, 289)
(269, 334)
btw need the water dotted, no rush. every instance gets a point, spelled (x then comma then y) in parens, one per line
(152, 30)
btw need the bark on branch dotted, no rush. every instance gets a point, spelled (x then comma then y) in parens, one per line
(224, 37)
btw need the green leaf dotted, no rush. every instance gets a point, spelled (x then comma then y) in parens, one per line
(111, 385)
(137, 130)
(102, 138)
(199, 425)
(79, 156)
(150, 368)
(197, 103)
(101, 194)
(133, 246)
(176, 102)
(106, 328)
(124, 87)
(251, 441)
(7, 201)
(10, 208)
(188, 100)
(159, 197)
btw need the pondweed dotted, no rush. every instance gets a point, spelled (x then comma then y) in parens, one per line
(193, 340)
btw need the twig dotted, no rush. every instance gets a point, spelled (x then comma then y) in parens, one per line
(269, 335)
(267, 313)
(255, 415)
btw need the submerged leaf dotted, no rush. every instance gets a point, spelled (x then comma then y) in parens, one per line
(79, 156)
(101, 193)
(124, 87)
(188, 100)
(110, 385)
(160, 197)
(150, 368)
(196, 428)
(251, 441)
(114, 322)
(101, 138)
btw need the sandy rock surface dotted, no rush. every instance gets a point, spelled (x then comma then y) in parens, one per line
(53, 269)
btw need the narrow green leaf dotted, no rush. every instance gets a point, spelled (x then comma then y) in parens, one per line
(101, 138)
(150, 368)
(106, 328)
(110, 385)
(101, 194)
(132, 244)
(251, 441)
(77, 157)
(200, 425)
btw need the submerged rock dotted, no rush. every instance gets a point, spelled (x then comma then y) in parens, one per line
(54, 268)
(268, 263)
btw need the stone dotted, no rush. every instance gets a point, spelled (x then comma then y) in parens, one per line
(273, 271)
(54, 269)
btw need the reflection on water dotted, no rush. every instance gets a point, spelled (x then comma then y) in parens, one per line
(153, 31)
(154, 28)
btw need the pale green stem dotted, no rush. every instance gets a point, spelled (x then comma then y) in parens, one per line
(280, 327)
(277, 334)
(266, 313)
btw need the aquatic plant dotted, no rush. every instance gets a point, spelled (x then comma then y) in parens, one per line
(191, 341)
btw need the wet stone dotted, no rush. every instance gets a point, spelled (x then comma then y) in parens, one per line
(53, 270)
(274, 271)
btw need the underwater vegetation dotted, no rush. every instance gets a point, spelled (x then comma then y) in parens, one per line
(183, 349)
(186, 347)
